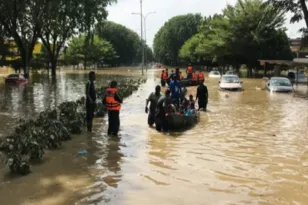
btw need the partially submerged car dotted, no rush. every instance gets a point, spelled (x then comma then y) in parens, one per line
(214, 74)
(230, 82)
(297, 77)
(231, 72)
(15, 79)
(279, 84)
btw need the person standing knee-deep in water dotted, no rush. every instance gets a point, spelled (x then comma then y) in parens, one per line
(90, 100)
(153, 99)
(161, 111)
(202, 96)
(113, 101)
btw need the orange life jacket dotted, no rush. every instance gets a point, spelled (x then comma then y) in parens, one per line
(189, 69)
(111, 103)
(165, 76)
(194, 77)
(201, 76)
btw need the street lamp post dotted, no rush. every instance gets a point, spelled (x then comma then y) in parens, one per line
(145, 36)
(143, 18)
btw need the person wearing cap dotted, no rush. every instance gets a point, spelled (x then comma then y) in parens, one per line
(112, 100)
(90, 100)
(153, 99)
(161, 111)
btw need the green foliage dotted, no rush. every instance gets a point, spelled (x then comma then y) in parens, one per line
(126, 42)
(171, 37)
(244, 33)
(297, 7)
(53, 21)
(51, 128)
(98, 51)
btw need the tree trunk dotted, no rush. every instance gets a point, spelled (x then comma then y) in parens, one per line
(53, 67)
(305, 11)
(85, 65)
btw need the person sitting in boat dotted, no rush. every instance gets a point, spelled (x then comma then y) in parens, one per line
(171, 108)
(175, 87)
(191, 103)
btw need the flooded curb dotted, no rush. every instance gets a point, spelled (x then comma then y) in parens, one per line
(50, 129)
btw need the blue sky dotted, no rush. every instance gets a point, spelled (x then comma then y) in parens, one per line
(166, 9)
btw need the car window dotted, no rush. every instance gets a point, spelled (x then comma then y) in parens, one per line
(13, 76)
(280, 82)
(230, 79)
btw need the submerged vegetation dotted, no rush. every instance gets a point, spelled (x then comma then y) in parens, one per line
(51, 128)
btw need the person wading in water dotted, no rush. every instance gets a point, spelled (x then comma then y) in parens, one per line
(153, 99)
(90, 100)
(161, 111)
(113, 102)
(202, 96)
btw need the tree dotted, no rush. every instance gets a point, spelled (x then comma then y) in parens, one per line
(64, 18)
(22, 20)
(171, 37)
(297, 7)
(248, 31)
(97, 51)
(125, 42)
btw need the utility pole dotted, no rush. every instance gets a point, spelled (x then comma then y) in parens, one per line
(143, 21)
(142, 46)
(145, 35)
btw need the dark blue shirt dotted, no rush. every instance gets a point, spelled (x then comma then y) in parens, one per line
(175, 87)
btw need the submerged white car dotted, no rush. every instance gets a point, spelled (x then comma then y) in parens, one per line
(214, 74)
(230, 82)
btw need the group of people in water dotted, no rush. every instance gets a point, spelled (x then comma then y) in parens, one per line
(174, 99)
(193, 76)
(112, 100)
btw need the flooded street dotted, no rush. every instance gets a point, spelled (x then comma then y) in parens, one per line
(249, 148)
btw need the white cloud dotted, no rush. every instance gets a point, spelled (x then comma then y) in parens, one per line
(166, 9)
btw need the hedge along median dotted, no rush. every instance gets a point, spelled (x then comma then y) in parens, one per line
(51, 128)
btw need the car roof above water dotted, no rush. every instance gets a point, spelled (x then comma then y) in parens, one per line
(229, 75)
(279, 78)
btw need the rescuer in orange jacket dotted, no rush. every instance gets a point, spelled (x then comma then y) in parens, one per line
(194, 78)
(200, 77)
(112, 101)
(189, 71)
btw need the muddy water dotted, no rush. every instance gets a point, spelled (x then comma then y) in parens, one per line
(249, 148)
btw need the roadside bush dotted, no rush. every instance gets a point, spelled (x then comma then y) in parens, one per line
(51, 128)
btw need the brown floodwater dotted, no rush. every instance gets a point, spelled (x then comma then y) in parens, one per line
(249, 148)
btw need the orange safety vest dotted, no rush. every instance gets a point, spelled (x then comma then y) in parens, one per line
(111, 103)
(189, 69)
(165, 76)
(201, 76)
(194, 77)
